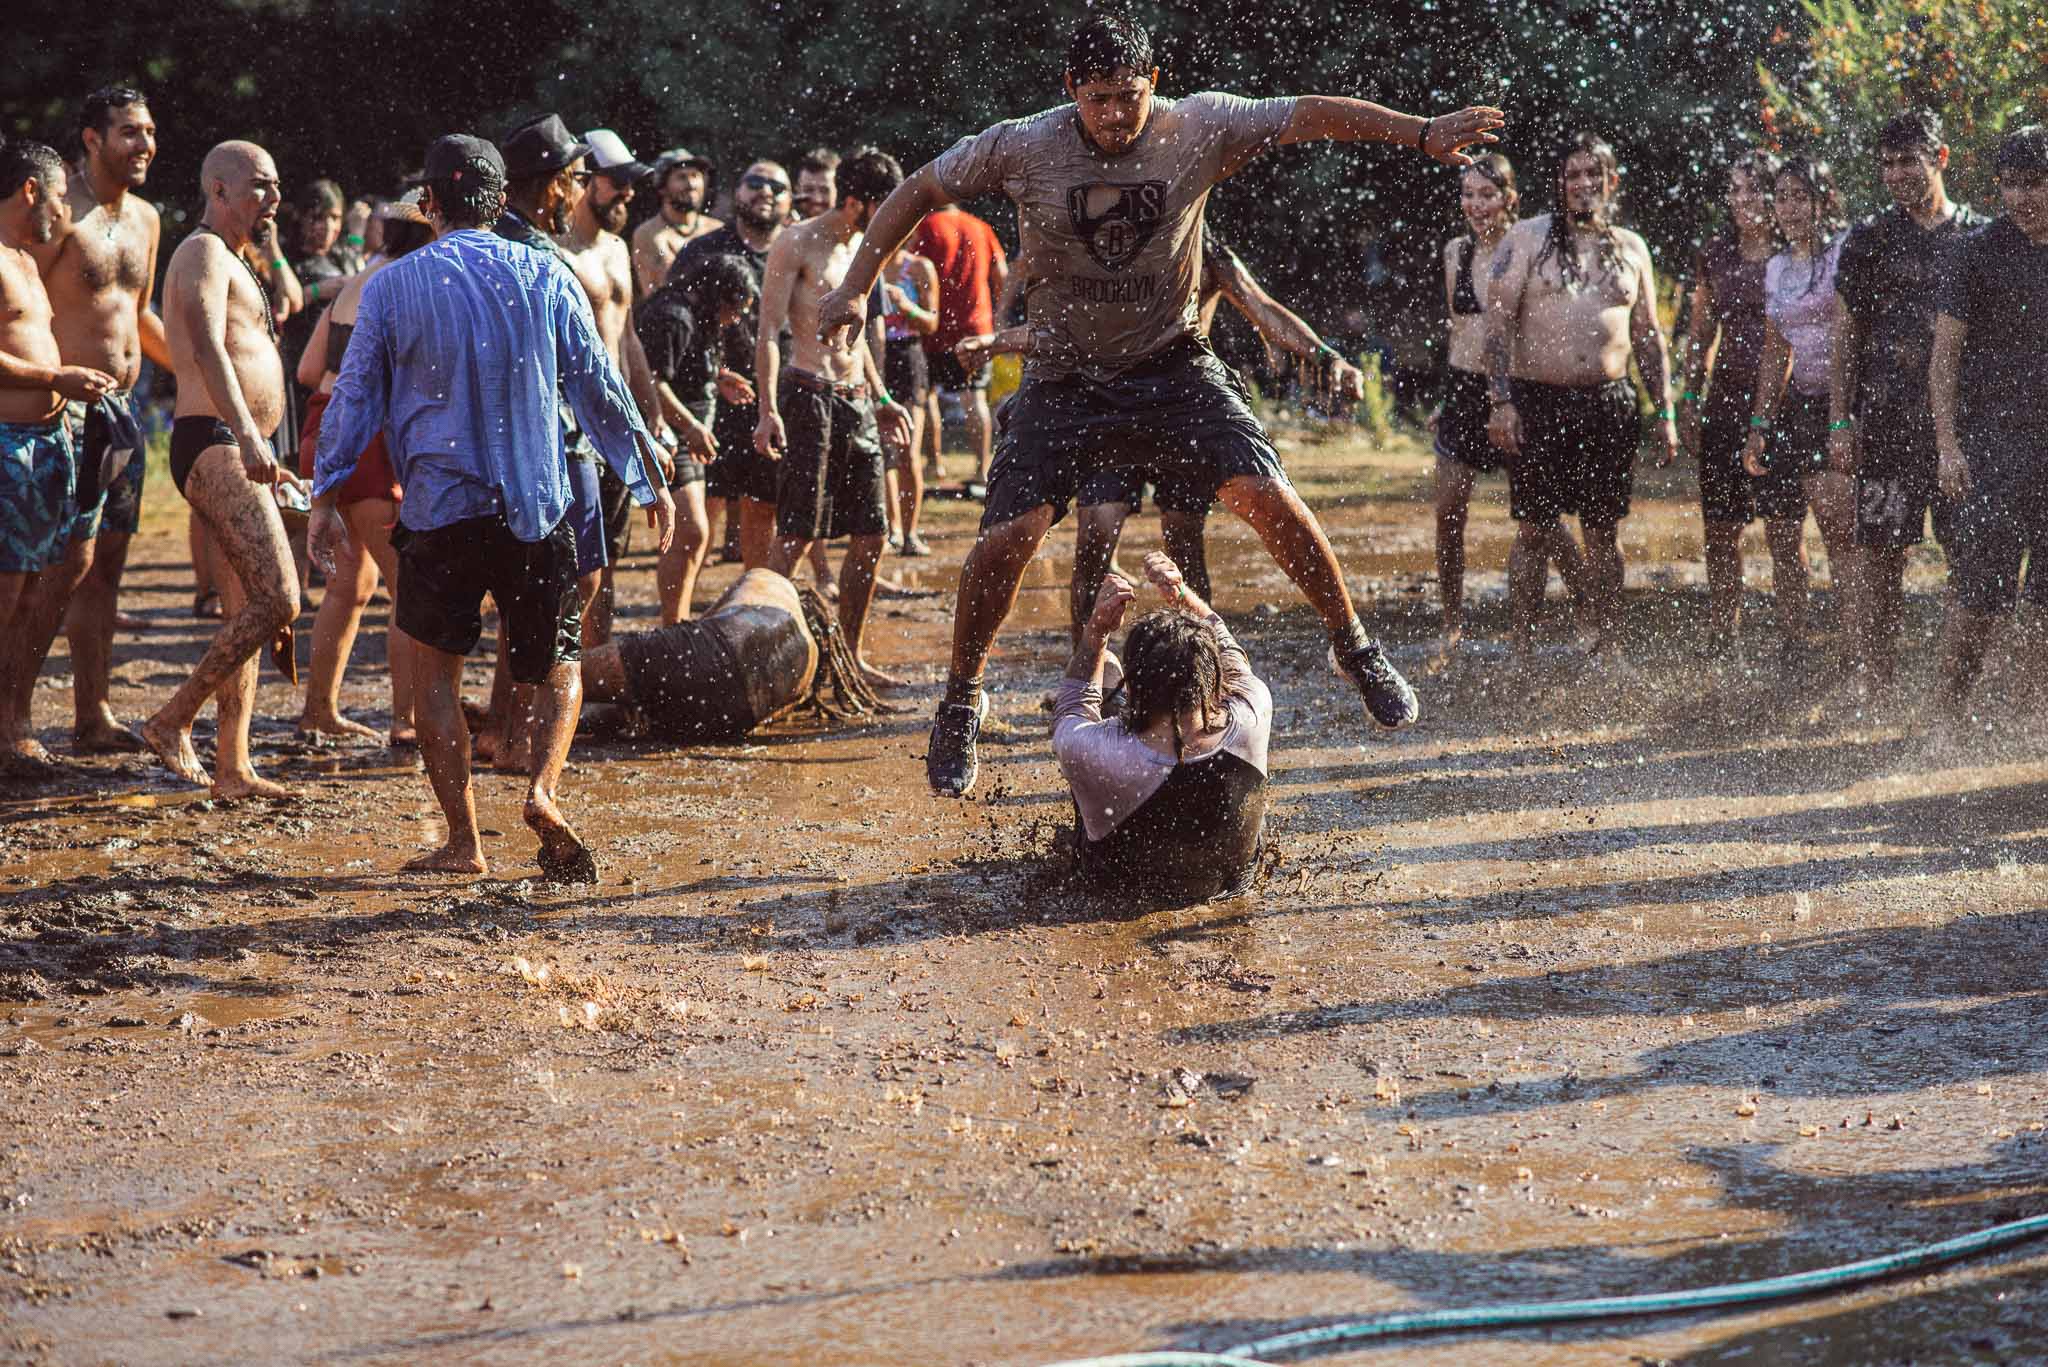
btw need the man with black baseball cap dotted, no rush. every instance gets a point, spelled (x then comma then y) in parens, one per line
(459, 352)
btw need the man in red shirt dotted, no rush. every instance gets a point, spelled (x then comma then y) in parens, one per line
(973, 272)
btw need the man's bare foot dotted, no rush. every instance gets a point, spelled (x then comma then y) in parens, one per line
(174, 748)
(406, 737)
(450, 858)
(102, 735)
(333, 724)
(235, 787)
(877, 678)
(563, 857)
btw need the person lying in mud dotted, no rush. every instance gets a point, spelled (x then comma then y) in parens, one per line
(765, 648)
(1173, 787)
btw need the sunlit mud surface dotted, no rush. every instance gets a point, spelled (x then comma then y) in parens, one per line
(1599, 981)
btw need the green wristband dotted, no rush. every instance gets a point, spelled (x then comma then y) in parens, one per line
(1841, 424)
(1666, 415)
(353, 239)
(280, 264)
(1760, 424)
(1691, 397)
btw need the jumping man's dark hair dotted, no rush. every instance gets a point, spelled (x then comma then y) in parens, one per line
(1105, 43)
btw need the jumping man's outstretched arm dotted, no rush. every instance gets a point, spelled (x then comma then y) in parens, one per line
(1336, 118)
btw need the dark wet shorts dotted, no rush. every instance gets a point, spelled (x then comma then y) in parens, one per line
(832, 468)
(686, 680)
(445, 573)
(2000, 522)
(740, 471)
(586, 515)
(1179, 415)
(1796, 449)
(110, 465)
(904, 370)
(38, 495)
(1461, 427)
(947, 373)
(191, 437)
(1896, 487)
(618, 514)
(1578, 452)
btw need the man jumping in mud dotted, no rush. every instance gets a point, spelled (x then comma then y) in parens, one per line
(819, 416)
(1110, 192)
(459, 352)
(230, 397)
(1573, 295)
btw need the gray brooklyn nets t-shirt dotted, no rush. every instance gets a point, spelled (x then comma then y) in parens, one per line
(1112, 246)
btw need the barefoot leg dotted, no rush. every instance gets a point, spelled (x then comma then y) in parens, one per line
(334, 635)
(558, 701)
(444, 743)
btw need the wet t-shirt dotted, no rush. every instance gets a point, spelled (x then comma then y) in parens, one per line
(1800, 298)
(1111, 246)
(1737, 286)
(1887, 276)
(1997, 287)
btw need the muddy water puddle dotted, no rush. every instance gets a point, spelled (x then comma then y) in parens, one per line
(1591, 984)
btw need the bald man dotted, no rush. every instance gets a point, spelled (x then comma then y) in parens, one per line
(223, 341)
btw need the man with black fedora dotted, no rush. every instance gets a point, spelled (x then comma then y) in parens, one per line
(545, 179)
(460, 353)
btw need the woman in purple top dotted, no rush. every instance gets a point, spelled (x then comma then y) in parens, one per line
(1788, 439)
(1171, 791)
(1725, 339)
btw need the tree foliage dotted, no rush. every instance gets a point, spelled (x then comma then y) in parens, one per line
(1983, 64)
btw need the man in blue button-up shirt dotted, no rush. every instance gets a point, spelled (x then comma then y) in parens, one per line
(459, 352)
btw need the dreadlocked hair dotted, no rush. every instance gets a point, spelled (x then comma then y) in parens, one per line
(1171, 665)
(1557, 241)
(851, 695)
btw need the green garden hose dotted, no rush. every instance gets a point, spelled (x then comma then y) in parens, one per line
(1828, 1279)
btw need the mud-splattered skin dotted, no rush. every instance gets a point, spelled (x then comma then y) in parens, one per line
(1486, 1028)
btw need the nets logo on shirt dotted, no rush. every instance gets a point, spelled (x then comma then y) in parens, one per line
(1115, 219)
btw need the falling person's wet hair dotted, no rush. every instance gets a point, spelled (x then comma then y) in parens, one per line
(1171, 667)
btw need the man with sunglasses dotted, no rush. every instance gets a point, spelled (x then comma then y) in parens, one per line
(597, 256)
(760, 203)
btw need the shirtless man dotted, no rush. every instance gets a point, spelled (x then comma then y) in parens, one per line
(601, 262)
(831, 465)
(224, 352)
(38, 477)
(100, 271)
(1572, 297)
(684, 183)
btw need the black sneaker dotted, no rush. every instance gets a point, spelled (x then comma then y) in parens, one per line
(1388, 697)
(951, 763)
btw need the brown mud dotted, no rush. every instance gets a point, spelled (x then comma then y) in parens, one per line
(1600, 980)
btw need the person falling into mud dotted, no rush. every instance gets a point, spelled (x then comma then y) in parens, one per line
(819, 416)
(1110, 192)
(766, 647)
(100, 270)
(1174, 786)
(39, 515)
(230, 398)
(1881, 420)
(460, 352)
(1115, 493)
(1573, 296)
(1990, 352)
(1489, 200)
